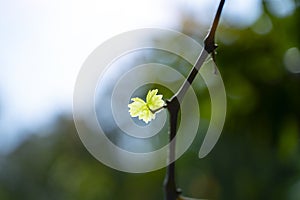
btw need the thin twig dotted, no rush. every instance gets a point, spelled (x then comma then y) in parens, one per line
(209, 47)
(173, 106)
(158, 109)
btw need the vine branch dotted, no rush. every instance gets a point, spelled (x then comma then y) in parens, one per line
(173, 106)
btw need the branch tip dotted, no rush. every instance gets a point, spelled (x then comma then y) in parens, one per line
(209, 42)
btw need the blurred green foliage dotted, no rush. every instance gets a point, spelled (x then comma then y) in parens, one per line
(257, 156)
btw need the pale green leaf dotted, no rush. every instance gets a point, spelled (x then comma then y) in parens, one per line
(145, 110)
(154, 101)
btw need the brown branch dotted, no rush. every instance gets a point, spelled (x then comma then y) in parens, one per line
(173, 106)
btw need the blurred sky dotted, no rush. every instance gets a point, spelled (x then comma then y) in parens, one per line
(43, 44)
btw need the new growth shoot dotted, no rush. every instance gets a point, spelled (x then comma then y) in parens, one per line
(146, 110)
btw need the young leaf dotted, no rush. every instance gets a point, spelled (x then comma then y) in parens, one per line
(146, 110)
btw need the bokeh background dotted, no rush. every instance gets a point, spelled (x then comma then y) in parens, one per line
(43, 45)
